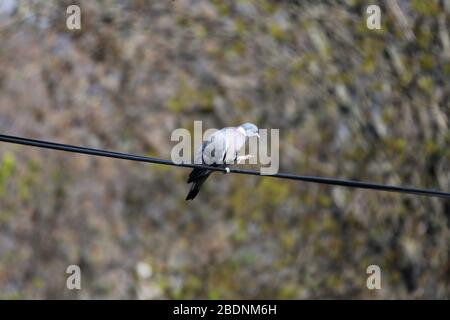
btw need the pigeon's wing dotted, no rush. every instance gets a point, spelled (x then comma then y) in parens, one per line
(213, 149)
(234, 141)
(211, 153)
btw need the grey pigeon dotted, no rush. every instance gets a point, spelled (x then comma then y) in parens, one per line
(220, 149)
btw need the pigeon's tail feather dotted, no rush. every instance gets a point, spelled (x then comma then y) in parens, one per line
(197, 179)
(197, 173)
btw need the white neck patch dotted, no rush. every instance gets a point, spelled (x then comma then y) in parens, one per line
(242, 130)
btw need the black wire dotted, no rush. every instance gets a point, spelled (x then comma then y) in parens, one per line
(126, 156)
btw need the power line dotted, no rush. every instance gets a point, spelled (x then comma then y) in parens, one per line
(132, 157)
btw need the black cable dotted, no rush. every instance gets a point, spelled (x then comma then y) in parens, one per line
(126, 156)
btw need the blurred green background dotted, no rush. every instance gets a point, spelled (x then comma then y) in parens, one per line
(349, 102)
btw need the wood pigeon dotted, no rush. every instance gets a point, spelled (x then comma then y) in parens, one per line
(220, 149)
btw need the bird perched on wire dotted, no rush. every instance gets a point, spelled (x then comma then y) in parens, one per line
(220, 149)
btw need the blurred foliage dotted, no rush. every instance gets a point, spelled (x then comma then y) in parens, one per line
(349, 102)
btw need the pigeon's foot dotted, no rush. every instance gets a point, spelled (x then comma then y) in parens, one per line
(241, 159)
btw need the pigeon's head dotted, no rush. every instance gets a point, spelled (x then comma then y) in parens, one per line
(250, 129)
